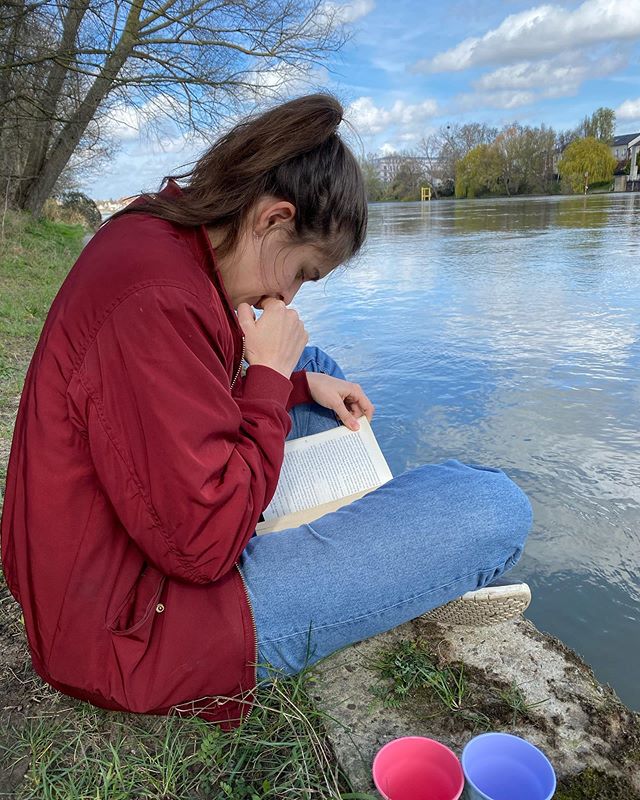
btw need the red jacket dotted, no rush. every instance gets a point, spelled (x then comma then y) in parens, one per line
(137, 476)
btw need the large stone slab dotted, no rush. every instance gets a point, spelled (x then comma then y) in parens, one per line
(581, 725)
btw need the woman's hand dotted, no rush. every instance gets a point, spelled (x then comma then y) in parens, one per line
(346, 399)
(276, 340)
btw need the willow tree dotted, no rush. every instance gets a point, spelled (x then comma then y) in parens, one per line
(586, 161)
(479, 171)
(64, 66)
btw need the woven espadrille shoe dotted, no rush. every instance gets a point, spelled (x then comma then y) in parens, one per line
(496, 603)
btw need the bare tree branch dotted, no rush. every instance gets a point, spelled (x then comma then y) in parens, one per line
(65, 64)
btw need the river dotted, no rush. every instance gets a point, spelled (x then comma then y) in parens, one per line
(507, 332)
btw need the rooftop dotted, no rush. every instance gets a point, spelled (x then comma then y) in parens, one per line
(624, 139)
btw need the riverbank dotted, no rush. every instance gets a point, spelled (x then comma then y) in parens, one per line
(450, 684)
(516, 678)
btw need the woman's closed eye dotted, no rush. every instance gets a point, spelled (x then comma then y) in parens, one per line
(311, 275)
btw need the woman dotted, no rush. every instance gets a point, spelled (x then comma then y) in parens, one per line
(143, 456)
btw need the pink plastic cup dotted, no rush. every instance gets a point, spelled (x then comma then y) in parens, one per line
(417, 768)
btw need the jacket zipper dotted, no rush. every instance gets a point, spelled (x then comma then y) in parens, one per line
(255, 635)
(244, 585)
(239, 370)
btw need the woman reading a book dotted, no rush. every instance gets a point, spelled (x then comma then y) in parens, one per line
(144, 452)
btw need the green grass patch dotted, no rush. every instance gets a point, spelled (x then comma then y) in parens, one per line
(280, 751)
(35, 257)
(409, 666)
(411, 677)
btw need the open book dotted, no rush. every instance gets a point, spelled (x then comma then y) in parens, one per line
(323, 472)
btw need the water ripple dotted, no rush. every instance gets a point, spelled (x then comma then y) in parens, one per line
(507, 333)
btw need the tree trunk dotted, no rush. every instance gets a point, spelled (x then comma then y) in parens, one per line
(9, 154)
(64, 146)
(50, 99)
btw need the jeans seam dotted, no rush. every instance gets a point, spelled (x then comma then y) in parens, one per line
(373, 613)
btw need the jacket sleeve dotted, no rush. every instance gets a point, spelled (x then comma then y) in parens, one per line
(187, 467)
(300, 393)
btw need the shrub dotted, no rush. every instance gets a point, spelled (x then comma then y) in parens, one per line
(74, 208)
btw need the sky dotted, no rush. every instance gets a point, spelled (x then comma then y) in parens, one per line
(412, 66)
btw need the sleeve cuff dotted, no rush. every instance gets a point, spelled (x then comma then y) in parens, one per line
(263, 382)
(300, 393)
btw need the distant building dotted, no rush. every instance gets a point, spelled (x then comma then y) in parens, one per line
(109, 207)
(621, 144)
(388, 166)
(625, 150)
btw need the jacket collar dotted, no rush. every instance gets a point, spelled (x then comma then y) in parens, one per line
(208, 259)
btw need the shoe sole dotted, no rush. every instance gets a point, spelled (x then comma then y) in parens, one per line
(486, 606)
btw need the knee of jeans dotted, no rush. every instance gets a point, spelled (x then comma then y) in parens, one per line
(313, 359)
(512, 517)
(499, 506)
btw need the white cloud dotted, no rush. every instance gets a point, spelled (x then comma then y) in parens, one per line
(563, 73)
(630, 109)
(527, 82)
(368, 118)
(341, 13)
(154, 118)
(283, 80)
(539, 31)
(388, 149)
(140, 166)
(123, 123)
(504, 99)
(350, 12)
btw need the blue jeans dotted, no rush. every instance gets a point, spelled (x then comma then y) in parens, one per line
(421, 540)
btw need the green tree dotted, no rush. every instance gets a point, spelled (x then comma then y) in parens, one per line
(586, 161)
(374, 184)
(407, 182)
(600, 125)
(443, 149)
(526, 158)
(479, 171)
(512, 157)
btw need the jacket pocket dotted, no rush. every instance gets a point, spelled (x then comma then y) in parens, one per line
(140, 602)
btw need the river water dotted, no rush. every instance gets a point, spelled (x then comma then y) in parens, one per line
(507, 332)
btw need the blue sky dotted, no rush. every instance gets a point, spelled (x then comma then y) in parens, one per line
(414, 65)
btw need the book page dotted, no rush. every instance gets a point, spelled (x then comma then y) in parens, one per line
(327, 466)
(308, 514)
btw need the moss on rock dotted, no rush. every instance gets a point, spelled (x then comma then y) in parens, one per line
(593, 784)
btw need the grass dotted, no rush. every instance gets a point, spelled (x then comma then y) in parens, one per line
(280, 751)
(35, 257)
(410, 677)
(67, 750)
(519, 705)
(409, 666)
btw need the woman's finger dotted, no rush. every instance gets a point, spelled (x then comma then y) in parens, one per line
(356, 395)
(246, 316)
(356, 410)
(346, 417)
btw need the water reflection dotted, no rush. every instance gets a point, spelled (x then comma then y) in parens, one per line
(506, 332)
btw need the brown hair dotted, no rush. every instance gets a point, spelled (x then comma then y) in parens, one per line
(291, 151)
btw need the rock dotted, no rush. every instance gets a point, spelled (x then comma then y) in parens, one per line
(517, 679)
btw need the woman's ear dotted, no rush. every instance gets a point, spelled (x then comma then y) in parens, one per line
(274, 212)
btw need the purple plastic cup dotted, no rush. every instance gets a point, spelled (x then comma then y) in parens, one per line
(417, 768)
(499, 766)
